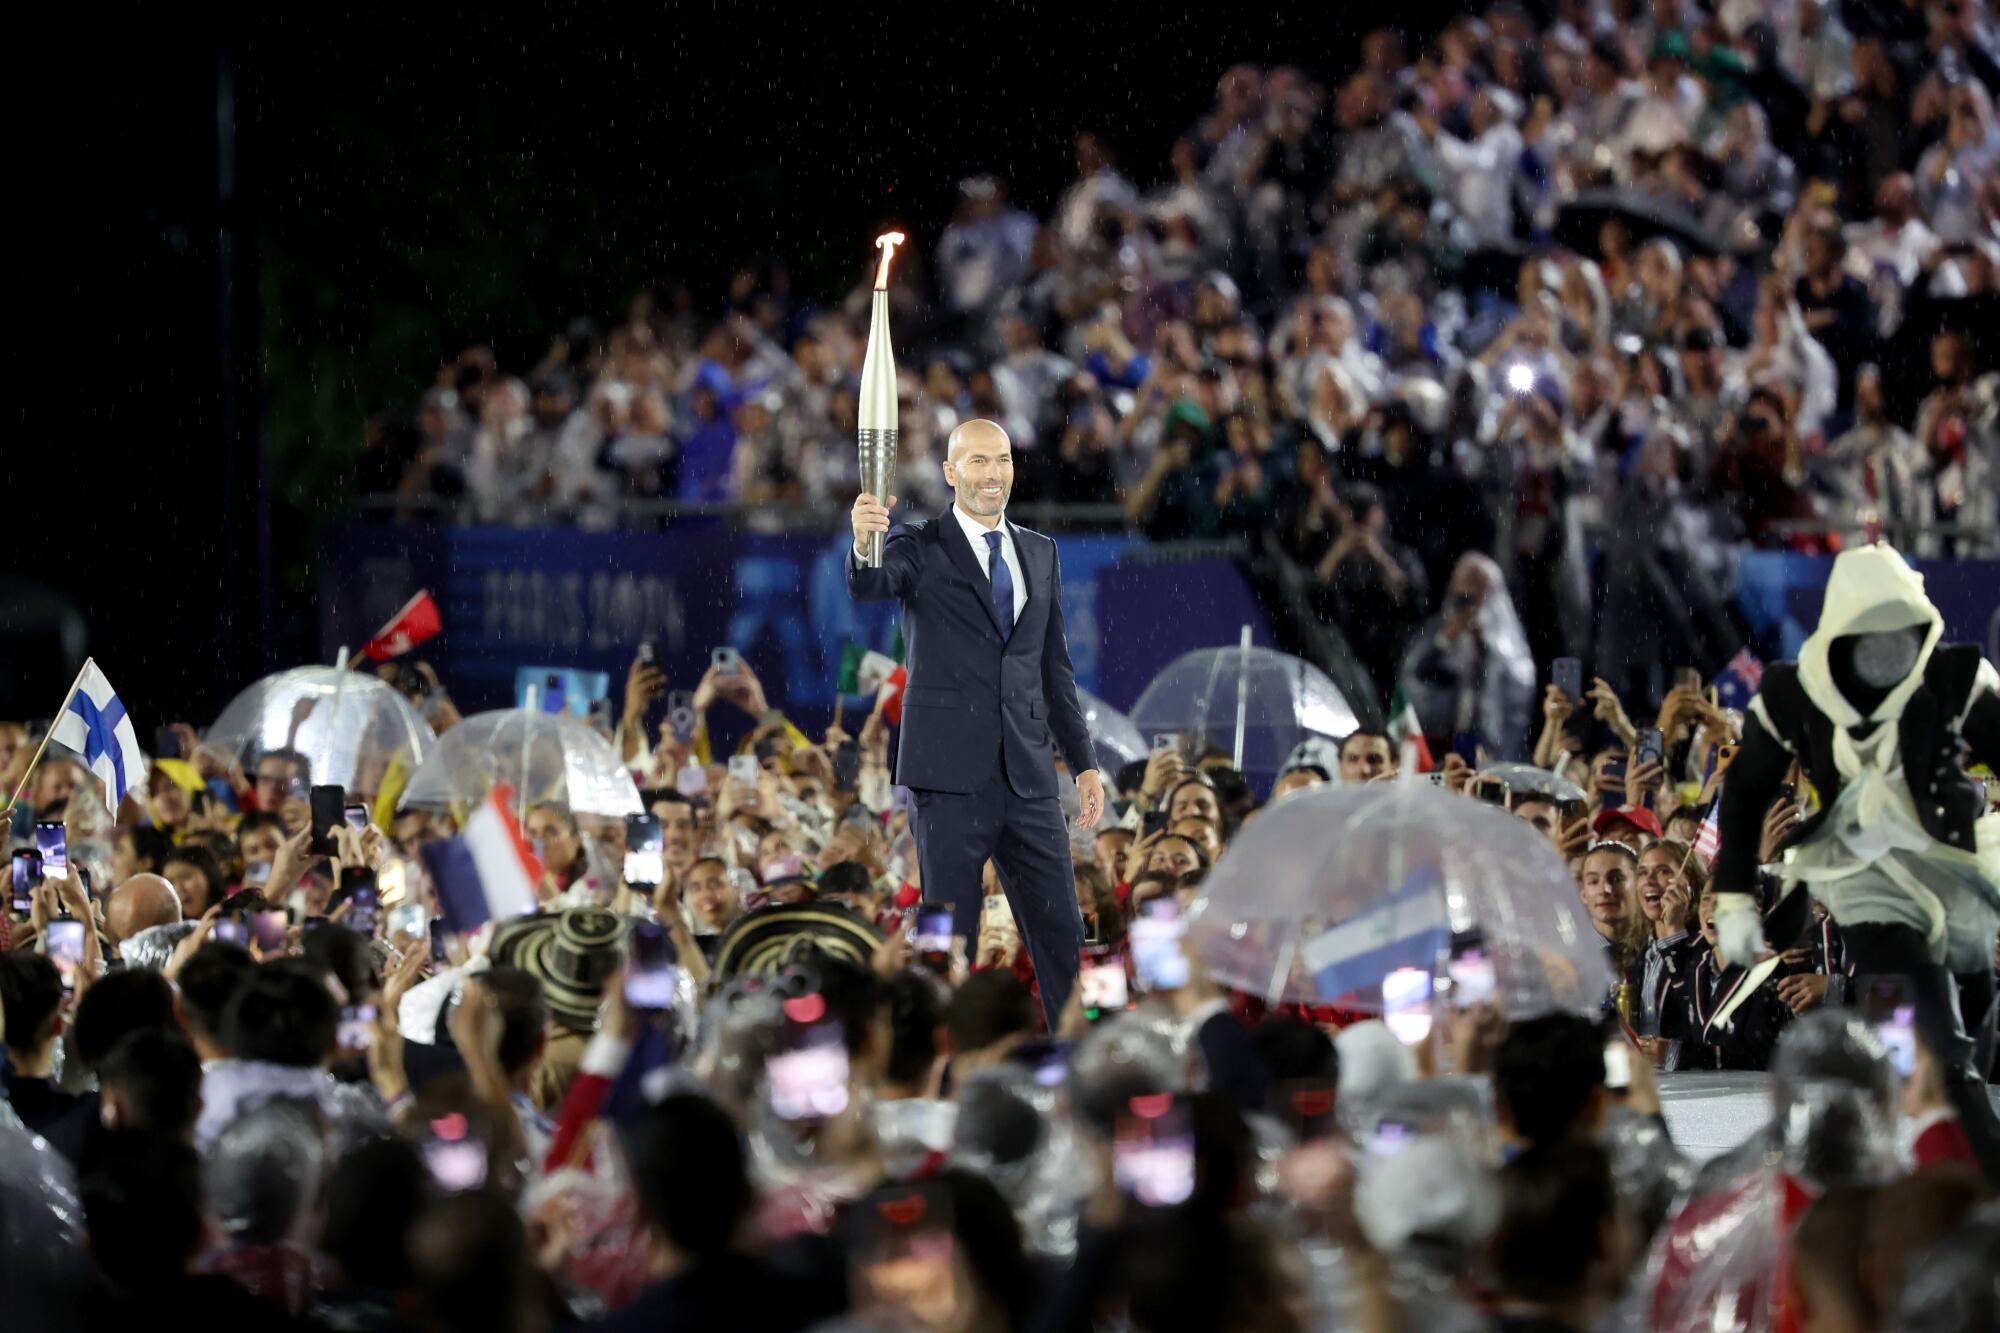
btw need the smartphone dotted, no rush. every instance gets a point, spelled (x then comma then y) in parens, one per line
(652, 976)
(1617, 1064)
(52, 840)
(554, 698)
(1471, 976)
(230, 930)
(1152, 1155)
(743, 767)
(1614, 773)
(680, 714)
(1166, 741)
(1889, 1006)
(931, 939)
(649, 652)
(1159, 963)
(267, 929)
(364, 910)
(1387, 1138)
(847, 765)
(1725, 755)
(1406, 1004)
(439, 954)
(727, 661)
(1102, 985)
(645, 851)
(692, 780)
(1046, 1058)
(1493, 791)
(166, 744)
(1568, 675)
(1651, 747)
(408, 921)
(808, 1080)
(1687, 678)
(356, 817)
(456, 1162)
(329, 809)
(1091, 932)
(256, 874)
(27, 874)
(65, 948)
(357, 1027)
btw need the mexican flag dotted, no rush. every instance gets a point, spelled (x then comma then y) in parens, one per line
(1413, 751)
(865, 671)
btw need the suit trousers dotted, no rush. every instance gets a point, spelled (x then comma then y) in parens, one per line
(1028, 842)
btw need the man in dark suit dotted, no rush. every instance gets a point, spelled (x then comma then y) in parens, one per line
(990, 690)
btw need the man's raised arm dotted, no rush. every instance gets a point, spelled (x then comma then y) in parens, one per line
(898, 571)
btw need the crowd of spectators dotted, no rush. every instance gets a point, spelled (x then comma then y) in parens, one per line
(254, 1098)
(1602, 289)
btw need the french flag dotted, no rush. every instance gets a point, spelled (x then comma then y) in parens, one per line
(489, 873)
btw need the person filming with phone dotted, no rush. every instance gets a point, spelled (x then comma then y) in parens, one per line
(991, 692)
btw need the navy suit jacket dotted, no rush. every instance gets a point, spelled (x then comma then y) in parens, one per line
(972, 693)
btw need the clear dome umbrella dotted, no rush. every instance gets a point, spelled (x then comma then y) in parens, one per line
(541, 756)
(1522, 778)
(1325, 894)
(1116, 740)
(349, 725)
(1257, 703)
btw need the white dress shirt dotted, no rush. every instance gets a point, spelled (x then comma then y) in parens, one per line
(976, 534)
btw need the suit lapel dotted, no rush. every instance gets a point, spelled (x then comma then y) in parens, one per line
(1032, 574)
(959, 552)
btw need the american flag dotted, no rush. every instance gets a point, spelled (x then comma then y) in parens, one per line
(1709, 836)
(1737, 683)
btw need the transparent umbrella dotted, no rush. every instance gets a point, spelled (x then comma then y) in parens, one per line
(1528, 778)
(1255, 702)
(349, 725)
(542, 756)
(1325, 894)
(1118, 742)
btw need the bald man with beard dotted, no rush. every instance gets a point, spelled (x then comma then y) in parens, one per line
(990, 700)
(140, 903)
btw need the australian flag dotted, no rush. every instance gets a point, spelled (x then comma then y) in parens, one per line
(1738, 682)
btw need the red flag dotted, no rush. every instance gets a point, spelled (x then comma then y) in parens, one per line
(417, 621)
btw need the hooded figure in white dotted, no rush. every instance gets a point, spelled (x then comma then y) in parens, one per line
(1902, 849)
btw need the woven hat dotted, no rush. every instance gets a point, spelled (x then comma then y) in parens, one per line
(763, 941)
(572, 953)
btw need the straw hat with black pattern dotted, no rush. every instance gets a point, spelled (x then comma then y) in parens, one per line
(572, 953)
(761, 942)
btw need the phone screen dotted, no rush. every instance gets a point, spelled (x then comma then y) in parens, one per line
(652, 981)
(1103, 988)
(53, 843)
(1158, 960)
(847, 764)
(27, 874)
(1652, 746)
(329, 806)
(933, 931)
(1688, 678)
(357, 1027)
(230, 931)
(365, 905)
(1890, 1009)
(1046, 1058)
(65, 940)
(1406, 1004)
(1471, 979)
(680, 714)
(1617, 1064)
(1387, 1138)
(809, 1081)
(356, 816)
(1493, 791)
(268, 929)
(1568, 675)
(743, 767)
(1153, 1154)
(1166, 741)
(439, 954)
(456, 1164)
(645, 850)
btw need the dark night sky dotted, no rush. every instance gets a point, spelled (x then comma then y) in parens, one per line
(412, 177)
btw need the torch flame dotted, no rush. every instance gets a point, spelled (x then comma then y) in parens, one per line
(887, 243)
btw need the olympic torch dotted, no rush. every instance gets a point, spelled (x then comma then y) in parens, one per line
(876, 431)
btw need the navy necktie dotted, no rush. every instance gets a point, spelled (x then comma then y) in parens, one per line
(1003, 584)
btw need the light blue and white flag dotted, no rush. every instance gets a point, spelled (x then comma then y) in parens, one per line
(1409, 928)
(94, 724)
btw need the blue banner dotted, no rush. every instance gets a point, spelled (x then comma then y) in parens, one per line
(1780, 594)
(512, 598)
